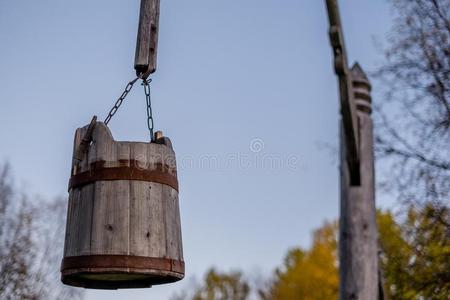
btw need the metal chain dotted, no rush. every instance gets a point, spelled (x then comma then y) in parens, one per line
(146, 84)
(119, 101)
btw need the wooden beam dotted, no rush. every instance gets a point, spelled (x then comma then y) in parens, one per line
(147, 38)
(348, 109)
(358, 240)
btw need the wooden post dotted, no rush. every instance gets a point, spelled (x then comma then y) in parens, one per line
(147, 38)
(358, 245)
(348, 110)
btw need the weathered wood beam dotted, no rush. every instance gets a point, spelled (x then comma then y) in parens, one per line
(358, 245)
(147, 38)
(348, 110)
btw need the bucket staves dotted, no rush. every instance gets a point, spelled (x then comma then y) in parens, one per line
(123, 223)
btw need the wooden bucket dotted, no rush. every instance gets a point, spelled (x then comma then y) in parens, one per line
(123, 222)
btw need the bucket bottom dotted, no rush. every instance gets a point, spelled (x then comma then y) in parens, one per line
(119, 271)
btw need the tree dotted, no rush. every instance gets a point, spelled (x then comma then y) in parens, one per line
(31, 237)
(413, 139)
(416, 253)
(305, 274)
(415, 259)
(309, 274)
(15, 236)
(413, 142)
(219, 286)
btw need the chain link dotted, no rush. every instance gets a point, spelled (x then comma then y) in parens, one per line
(146, 84)
(119, 101)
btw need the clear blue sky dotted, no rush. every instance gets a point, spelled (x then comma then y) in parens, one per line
(229, 72)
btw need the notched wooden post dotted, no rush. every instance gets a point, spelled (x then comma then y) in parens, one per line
(348, 109)
(358, 246)
(358, 255)
(147, 38)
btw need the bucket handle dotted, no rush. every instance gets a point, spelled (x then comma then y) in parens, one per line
(84, 144)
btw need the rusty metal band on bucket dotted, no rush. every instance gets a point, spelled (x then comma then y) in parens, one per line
(128, 170)
(121, 261)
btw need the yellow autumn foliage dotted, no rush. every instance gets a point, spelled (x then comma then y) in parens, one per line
(309, 274)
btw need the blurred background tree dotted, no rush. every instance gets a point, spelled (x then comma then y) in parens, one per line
(218, 286)
(413, 148)
(415, 255)
(309, 274)
(223, 286)
(31, 237)
(413, 119)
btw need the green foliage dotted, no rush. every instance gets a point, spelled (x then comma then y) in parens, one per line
(416, 253)
(220, 286)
